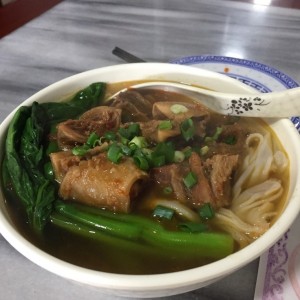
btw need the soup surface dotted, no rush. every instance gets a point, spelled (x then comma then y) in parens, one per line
(147, 182)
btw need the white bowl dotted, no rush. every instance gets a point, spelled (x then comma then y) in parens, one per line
(170, 283)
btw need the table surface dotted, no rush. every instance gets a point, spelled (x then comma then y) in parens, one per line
(76, 36)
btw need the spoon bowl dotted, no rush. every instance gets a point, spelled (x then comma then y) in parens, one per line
(269, 105)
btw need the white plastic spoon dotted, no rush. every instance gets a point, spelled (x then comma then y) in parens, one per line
(265, 105)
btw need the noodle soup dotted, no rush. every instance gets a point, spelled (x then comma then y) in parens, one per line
(149, 182)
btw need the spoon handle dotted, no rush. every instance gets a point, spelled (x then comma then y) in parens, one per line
(269, 105)
(265, 105)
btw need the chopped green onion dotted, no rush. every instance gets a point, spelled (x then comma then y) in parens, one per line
(178, 108)
(158, 161)
(230, 140)
(100, 141)
(141, 162)
(114, 153)
(193, 227)
(92, 139)
(204, 150)
(190, 180)
(167, 190)
(163, 212)
(123, 140)
(164, 149)
(80, 150)
(179, 156)
(139, 141)
(206, 211)
(187, 129)
(147, 153)
(132, 146)
(215, 135)
(111, 136)
(165, 125)
(126, 150)
(130, 132)
(187, 152)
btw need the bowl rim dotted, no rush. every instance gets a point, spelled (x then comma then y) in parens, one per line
(154, 281)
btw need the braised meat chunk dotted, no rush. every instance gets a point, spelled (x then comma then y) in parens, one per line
(98, 120)
(135, 107)
(101, 183)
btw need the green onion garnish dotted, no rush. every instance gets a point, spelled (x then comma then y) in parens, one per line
(178, 108)
(187, 129)
(92, 139)
(193, 227)
(215, 135)
(165, 125)
(80, 150)
(114, 153)
(126, 150)
(158, 161)
(167, 190)
(190, 180)
(230, 140)
(164, 149)
(141, 162)
(111, 136)
(204, 150)
(130, 132)
(179, 156)
(147, 153)
(139, 141)
(163, 212)
(187, 152)
(206, 211)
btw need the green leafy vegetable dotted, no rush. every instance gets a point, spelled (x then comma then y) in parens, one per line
(26, 157)
(136, 229)
(83, 100)
(193, 227)
(23, 152)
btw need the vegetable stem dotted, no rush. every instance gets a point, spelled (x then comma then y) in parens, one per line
(137, 229)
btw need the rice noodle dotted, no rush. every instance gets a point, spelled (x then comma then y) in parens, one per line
(257, 164)
(254, 192)
(242, 232)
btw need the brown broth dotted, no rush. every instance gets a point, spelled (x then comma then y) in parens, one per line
(98, 256)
